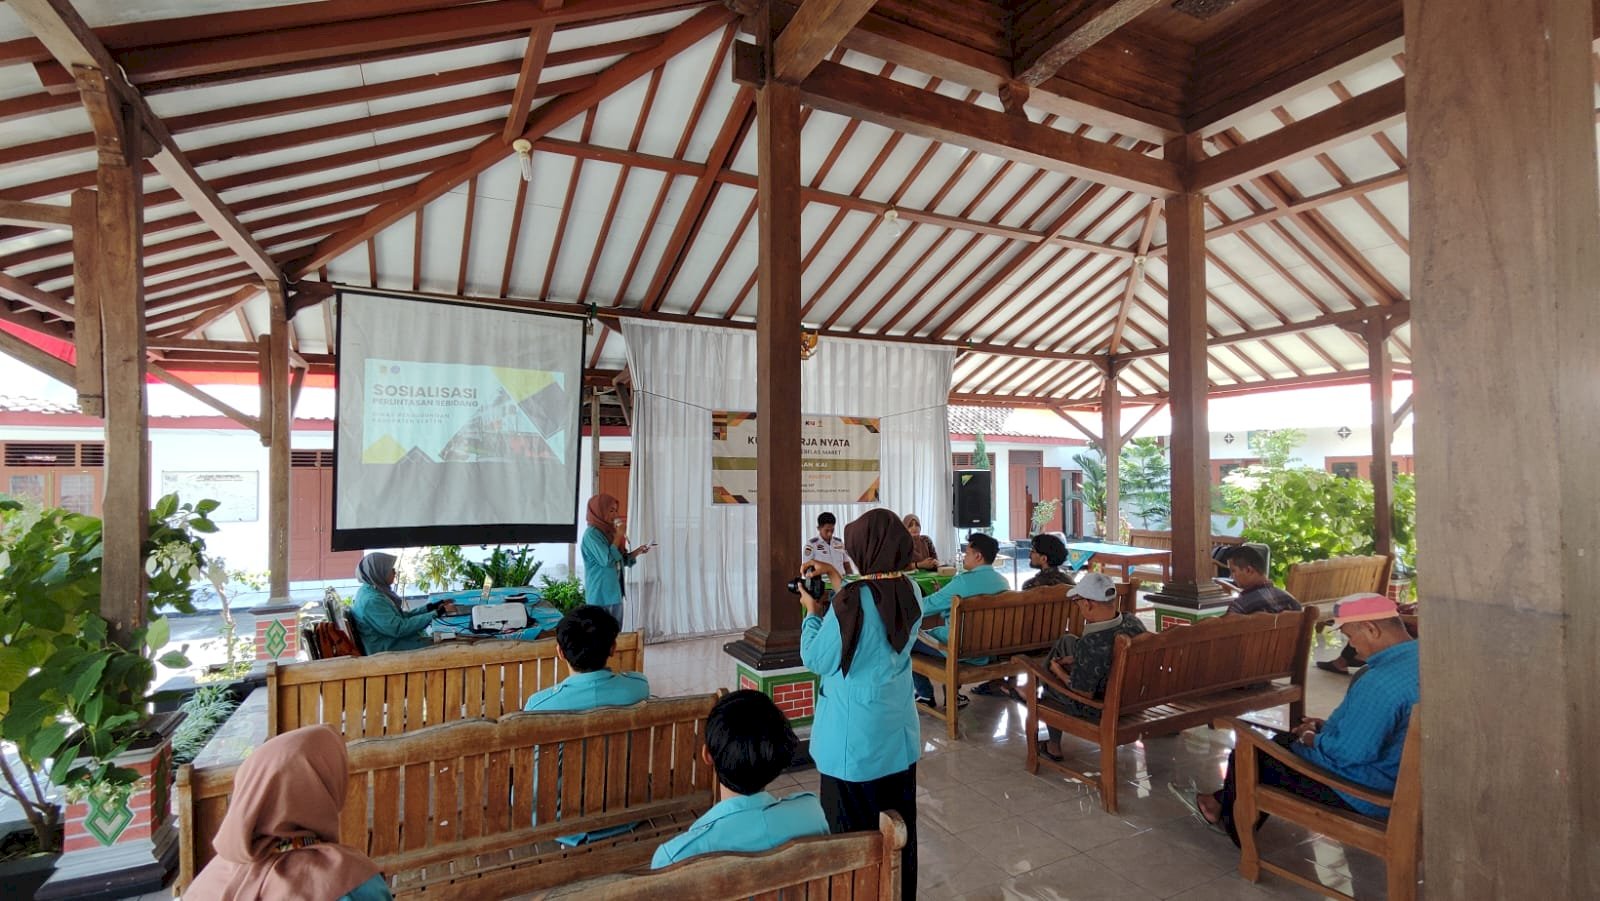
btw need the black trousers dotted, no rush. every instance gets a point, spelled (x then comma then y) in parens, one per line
(1273, 773)
(854, 806)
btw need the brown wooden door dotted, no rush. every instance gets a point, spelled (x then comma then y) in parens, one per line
(1050, 490)
(614, 481)
(305, 533)
(335, 564)
(1021, 502)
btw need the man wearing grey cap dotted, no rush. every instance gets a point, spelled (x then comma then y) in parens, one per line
(1084, 662)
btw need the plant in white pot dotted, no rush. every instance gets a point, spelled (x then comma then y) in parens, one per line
(73, 703)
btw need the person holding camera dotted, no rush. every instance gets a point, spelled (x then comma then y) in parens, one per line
(866, 738)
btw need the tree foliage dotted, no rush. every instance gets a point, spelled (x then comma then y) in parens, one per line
(1146, 482)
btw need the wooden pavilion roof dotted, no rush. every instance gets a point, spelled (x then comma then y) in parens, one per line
(984, 175)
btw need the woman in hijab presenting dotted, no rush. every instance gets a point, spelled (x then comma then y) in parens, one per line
(381, 617)
(606, 555)
(279, 840)
(866, 738)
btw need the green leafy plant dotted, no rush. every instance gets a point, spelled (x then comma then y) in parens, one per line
(437, 567)
(1307, 514)
(204, 713)
(1146, 481)
(566, 595)
(1092, 492)
(980, 453)
(1043, 512)
(508, 567)
(71, 699)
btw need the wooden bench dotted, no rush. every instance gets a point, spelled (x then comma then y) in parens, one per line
(1162, 540)
(403, 691)
(849, 867)
(997, 626)
(1397, 840)
(1325, 581)
(449, 811)
(1164, 683)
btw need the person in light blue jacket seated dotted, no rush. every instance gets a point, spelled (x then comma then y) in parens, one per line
(980, 578)
(748, 743)
(606, 554)
(866, 737)
(382, 621)
(586, 638)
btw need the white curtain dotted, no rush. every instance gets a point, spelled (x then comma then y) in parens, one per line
(702, 577)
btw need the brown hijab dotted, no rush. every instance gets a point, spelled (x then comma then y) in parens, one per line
(879, 544)
(602, 513)
(292, 787)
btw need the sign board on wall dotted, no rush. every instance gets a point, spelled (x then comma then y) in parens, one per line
(838, 459)
(239, 493)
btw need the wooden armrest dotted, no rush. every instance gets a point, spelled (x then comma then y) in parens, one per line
(1248, 736)
(927, 638)
(1048, 679)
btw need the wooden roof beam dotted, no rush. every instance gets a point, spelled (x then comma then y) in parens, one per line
(34, 215)
(75, 46)
(35, 297)
(815, 29)
(47, 363)
(544, 120)
(533, 58)
(1359, 117)
(1098, 20)
(850, 92)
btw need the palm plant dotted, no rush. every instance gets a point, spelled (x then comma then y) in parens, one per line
(1146, 481)
(1092, 493)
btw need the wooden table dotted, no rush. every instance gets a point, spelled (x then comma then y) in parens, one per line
(1121, 556)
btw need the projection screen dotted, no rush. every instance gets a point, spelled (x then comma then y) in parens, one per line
(455, 423)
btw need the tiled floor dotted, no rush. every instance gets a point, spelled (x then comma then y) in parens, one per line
(989, 829)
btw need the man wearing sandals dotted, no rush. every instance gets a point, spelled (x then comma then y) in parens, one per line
(1084, 662)
(1362, 740)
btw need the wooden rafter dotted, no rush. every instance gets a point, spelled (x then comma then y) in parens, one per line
(560, 233)
(616, 197)
(812, 33)
(1135, 276)
(533, 59)
(543, 120)
(74, 45)
(1043, 58)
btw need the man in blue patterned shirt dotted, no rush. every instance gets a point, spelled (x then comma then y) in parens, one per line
(1361, 742)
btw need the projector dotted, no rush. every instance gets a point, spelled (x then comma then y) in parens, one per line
(499, 617)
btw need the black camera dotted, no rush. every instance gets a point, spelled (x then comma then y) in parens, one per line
(814, 586)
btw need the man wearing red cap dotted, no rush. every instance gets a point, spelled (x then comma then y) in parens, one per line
(1362, 740)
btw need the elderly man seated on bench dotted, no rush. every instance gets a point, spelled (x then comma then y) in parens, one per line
(1363, 739)
(748, 743)
(1257, 594)
(1084, 662)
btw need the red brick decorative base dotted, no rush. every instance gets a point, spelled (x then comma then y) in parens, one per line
(277, 636)
(793, 690)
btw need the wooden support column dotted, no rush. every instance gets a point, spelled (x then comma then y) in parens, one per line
(594, 442)
(1111, 443)
(1505, 257)
(775, 639)
(279, 427)
(1190, 585)
(1380, 369)
(118, 285)
(90, 378)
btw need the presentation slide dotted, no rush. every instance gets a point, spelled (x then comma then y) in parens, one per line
(456, 423)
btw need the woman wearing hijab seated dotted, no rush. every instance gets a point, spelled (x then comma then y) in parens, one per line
(279, 840)
(923, 554)
(381, 617)
(605, 555)
(866, 738)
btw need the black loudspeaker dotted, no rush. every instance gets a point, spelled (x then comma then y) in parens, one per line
(974, 495)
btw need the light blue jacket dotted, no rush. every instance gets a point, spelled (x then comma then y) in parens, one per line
(757, 822)
(383, 627)
(586, 691)
(866, 722)
(374, 889)
(603, 563)
(970, 584)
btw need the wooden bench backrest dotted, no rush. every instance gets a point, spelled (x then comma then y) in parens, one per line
(1323, 581)
(403, 691)
(474, 786)
(1009, 622)
(1162, 540)
(849, 867)
(1405, 814)
(1222, 652)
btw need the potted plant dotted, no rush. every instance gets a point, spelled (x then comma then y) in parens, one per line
(566, 595)
(1043, 512)
(73, 703)
(505, 567)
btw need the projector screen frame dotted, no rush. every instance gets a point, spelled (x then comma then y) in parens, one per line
(480, 533)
